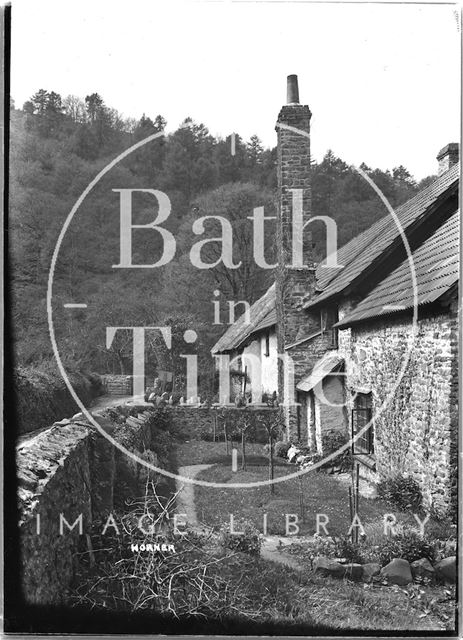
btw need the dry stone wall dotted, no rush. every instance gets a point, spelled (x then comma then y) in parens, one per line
(70, 471)
(70, 475)
(201, 423)
(117, 385)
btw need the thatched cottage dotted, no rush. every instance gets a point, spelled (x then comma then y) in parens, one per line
(373, 341)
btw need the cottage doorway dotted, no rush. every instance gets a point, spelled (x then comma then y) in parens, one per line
(311, 435)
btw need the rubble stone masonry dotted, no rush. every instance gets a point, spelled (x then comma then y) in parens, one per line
(70, 469)
(416, 430)
(293, 283)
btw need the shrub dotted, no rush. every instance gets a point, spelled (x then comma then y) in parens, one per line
(332, 441)
(322, 546)
(442, 533)
(176, 395)
(41, 396)
(329, 547)
(281, 449)
(445, 548)
(374, 532)
(408, 545)
(345, 548)
(403, 493)
(160, 418)
(240, 400)
(161, 444)
(207, 435)
(247, 542)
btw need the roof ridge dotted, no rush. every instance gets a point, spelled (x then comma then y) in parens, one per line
(436, 266)
(240, 329)
(439, 185)
(378, 223)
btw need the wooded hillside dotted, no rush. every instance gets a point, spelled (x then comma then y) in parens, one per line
(59, 145)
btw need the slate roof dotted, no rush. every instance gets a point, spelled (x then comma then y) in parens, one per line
(436, 264)
(262, 314)
(328, 363)
(360, 252)
(358, 255)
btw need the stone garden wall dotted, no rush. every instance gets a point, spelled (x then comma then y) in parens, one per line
(117, 385)
(202, 423)
(71, 469)
(70, 475)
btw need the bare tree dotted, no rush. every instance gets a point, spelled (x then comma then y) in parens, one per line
(74, 107)
(243, 425)
(273, 422)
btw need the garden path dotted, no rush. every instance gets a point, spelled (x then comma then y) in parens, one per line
(272, 546)
(186, 495)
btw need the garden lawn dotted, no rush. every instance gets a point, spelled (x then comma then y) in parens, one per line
(356, 606)
(321, 493)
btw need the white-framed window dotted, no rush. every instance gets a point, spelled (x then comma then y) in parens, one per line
(329, 317)
(267, 345)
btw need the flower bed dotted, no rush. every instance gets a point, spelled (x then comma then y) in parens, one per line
(401, 558)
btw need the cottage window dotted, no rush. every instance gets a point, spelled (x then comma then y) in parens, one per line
(362, 414)
(267, 345)
(329, 317)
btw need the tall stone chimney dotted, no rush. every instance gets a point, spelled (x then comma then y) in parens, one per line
(448, 156)
(293, 283)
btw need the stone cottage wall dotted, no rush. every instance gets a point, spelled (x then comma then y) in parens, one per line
(305, 356)
(416, 432)
(317, 417)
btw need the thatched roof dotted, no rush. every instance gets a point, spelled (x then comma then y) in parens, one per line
(262, 315)
(359, 255)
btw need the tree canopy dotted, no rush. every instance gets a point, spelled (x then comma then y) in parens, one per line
(59, 145)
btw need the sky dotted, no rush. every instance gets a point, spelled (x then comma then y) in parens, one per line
(382, 80)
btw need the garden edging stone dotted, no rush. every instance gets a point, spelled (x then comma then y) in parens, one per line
(398, 572)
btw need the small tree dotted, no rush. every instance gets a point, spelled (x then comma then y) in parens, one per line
(273, 422)
(243, 425)
(222, 415)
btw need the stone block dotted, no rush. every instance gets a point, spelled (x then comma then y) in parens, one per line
(422, 568)
(397, 572)
(353, 571)
(326, 567)
(446, 569)
(370, 570)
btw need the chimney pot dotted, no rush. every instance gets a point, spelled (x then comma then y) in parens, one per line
(293, 90)
(448, 156)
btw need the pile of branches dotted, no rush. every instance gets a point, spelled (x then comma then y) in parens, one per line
(198, 579)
